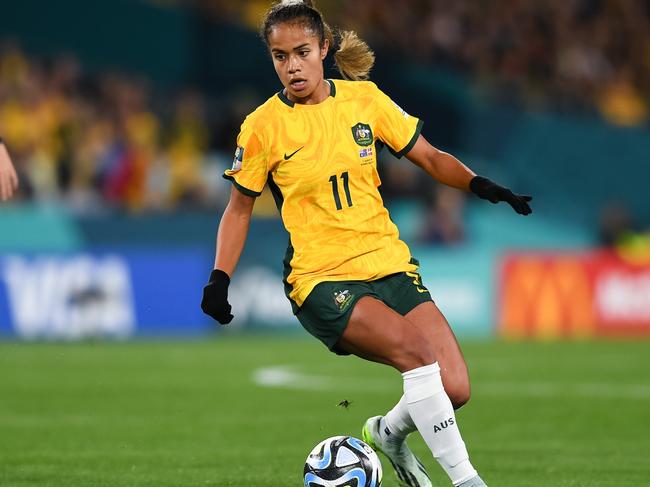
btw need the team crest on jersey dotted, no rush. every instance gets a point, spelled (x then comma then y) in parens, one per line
(342, 299)
(362, 134)
(239, 157)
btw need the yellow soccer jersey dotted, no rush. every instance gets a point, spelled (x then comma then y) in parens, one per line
(320, 162)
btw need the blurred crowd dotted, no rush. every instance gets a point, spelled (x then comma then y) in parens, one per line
(585, 55)
(110, 140)
(590, 56)
(99, 141)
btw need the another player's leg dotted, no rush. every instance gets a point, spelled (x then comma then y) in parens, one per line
(376, 332)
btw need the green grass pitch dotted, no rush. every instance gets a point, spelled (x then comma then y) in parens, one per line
(245, 411)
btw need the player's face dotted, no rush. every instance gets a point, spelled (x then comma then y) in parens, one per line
(298, 60)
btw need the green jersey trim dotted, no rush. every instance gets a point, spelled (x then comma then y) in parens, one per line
(332, 88)
(283, 97)
(412, 142)
(288, 256)
(246, 191)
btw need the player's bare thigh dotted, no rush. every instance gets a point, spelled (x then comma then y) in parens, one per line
(376, 332)
(453, 368)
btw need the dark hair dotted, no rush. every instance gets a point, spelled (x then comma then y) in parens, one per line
(353, 57)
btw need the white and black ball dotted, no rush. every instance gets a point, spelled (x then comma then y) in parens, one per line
(342, 461)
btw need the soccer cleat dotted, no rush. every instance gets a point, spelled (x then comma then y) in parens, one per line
(409, 470)
(474, 482)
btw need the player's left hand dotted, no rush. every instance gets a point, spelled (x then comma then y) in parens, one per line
(489, 190)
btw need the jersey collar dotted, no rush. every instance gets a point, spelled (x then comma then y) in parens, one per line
(291, 104)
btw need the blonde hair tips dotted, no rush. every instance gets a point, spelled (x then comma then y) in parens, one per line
(354, 59)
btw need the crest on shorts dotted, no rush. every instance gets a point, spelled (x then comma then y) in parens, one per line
(239, 157)
(362, 134)
(342, 299)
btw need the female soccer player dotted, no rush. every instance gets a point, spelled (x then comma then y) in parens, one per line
(351, 281)
(8, 177)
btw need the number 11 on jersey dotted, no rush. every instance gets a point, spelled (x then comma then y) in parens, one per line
(346, 187)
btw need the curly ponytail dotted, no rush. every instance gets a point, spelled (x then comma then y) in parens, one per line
(354, 59)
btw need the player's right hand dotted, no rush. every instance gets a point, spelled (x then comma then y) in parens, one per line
(215, 297)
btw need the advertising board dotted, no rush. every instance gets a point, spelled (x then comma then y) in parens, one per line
(102, 294)
(554, 295)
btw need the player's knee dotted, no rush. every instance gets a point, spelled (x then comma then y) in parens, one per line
(459, 396)
(413, 352)
(459, 393)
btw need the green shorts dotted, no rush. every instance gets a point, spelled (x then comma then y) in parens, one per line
(326, 311)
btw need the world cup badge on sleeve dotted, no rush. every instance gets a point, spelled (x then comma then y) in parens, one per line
(237, 161)
(402, 111)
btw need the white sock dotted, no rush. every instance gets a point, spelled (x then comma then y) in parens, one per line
(432, 412)
(397, 424)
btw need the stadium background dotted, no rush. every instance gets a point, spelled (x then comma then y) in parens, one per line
(121, 116)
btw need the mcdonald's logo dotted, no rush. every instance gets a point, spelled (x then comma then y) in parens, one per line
(546, 296)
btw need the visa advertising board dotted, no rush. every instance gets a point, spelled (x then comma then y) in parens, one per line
(555, 295)
(102, 294)
(121, 293)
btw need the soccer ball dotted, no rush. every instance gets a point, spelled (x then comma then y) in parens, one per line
(342, 461)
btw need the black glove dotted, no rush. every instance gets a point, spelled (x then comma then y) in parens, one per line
(489, 190)
(215, 297)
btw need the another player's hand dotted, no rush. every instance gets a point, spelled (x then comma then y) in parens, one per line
(489, 190)
(8, 177)
(215, 297)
